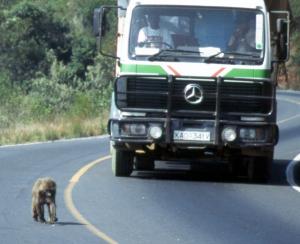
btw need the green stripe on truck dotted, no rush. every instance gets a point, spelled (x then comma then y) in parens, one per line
(143, 69)
(248, 73)
(158, 70)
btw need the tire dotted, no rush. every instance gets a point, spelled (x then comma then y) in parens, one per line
(122, 162)
(144, 162)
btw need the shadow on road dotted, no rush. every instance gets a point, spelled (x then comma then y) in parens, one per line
(209, 172)
(278, 176)
(68, 223)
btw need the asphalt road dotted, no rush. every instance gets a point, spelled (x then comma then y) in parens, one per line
(161, 207)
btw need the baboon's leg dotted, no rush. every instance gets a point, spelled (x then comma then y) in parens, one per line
(52, 212)
(40, 210)
(34, 212)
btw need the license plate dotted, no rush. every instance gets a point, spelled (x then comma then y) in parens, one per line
(191, 135)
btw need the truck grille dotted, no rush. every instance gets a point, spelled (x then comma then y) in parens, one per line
(160, 94)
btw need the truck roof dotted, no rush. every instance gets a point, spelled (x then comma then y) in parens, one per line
(210, 3)
(271, 4)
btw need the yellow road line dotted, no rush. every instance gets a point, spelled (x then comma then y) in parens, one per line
(70, 204)
(75, 178)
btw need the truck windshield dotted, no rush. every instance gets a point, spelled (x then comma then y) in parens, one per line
(197, 34)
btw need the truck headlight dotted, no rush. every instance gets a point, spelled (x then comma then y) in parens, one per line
(249, 134)
(229, 134)
(155, 131)
(252, 134)
(132, 129)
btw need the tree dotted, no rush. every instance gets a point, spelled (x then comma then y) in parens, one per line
(27, 33)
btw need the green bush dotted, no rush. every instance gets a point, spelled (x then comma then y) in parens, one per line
(27, 32)
(50, 96)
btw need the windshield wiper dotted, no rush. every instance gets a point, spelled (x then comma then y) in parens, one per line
(172, 54)
(231, 56)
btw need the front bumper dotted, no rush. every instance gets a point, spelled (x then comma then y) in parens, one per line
(194, 132)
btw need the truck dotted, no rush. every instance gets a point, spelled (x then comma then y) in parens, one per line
(200, 87)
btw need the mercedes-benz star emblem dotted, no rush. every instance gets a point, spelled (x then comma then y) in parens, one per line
(193, 94)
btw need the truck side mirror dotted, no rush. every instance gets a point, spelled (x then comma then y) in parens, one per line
(280, 25)
(100, 24)
(96, 22)
(282, 28)
(104, 24)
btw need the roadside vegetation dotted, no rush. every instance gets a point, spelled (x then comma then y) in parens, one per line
(293, 66)
(53, 82)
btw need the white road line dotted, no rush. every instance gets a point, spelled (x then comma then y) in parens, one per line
(293, 117)
(55, 141)
(288, 119)
(290, 173)
(289, 100)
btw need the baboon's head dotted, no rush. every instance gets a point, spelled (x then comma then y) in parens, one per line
(48, 191)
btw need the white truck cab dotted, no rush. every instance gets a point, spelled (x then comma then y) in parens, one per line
(196, 80)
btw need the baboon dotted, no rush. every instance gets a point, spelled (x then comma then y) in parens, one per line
(43, 193)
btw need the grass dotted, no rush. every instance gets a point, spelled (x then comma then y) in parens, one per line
(60, 128)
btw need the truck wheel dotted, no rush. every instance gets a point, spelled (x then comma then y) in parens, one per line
(144, 162)
(122, 162)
